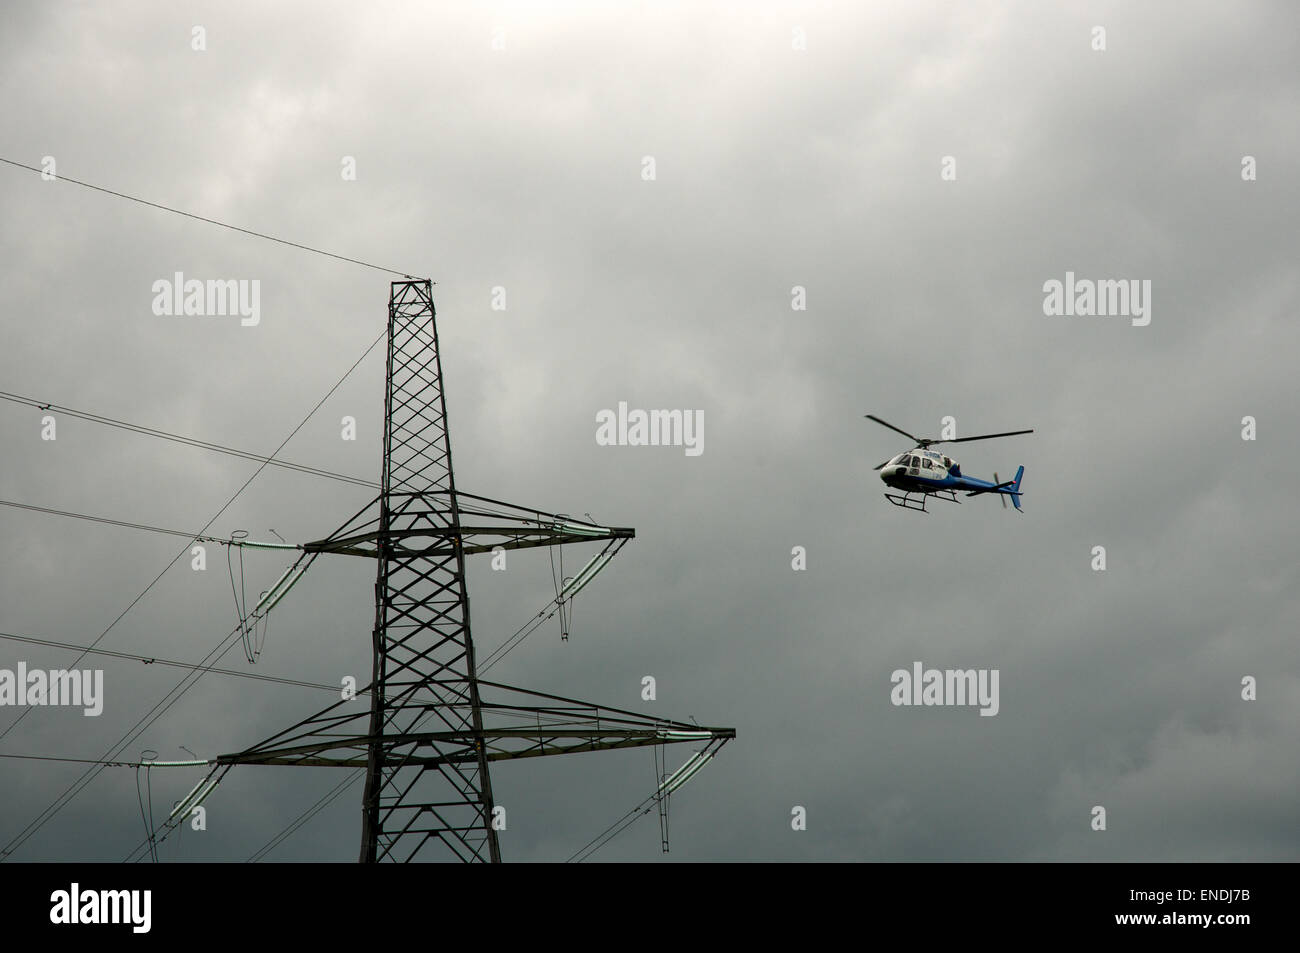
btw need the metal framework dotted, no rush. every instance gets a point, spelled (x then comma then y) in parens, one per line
(430, 734)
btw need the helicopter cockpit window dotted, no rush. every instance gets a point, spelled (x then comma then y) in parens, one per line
(926, 463)
(900, 460)
(915, 463)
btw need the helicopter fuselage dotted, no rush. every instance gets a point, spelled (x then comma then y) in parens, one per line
(925, 471)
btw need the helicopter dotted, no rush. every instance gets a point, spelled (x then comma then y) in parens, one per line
(924, 473)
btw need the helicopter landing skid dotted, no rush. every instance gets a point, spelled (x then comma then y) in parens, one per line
(907, 502)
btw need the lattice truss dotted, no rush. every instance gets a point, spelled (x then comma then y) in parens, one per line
(430, 734)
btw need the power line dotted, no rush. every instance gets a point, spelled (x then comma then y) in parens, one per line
(194, 537)
(210, 221)
(150, 660)
(145, 720)
(147, 589)
(152, 840)
(664, 787)
(327, 799)
(187, 441)
(191, 677)
(618, 827)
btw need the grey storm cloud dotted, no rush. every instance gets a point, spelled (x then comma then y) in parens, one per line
(775, 167)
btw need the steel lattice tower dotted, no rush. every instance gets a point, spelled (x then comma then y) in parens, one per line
(429, 737)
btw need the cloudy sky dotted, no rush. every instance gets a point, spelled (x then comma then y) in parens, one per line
(505, 145)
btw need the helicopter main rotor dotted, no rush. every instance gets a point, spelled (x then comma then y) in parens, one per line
(925, 442)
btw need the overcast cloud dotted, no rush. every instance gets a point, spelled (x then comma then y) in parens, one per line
(775, 167)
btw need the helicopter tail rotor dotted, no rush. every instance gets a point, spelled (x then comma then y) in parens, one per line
(1015, 490)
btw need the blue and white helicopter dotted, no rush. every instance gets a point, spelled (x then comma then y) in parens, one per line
(924, 473)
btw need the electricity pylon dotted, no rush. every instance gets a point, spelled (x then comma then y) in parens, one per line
(431, 733)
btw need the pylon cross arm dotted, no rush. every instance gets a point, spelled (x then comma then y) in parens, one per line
(441, 541)
(433, 523)
(434, 748)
